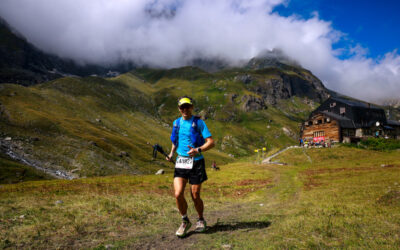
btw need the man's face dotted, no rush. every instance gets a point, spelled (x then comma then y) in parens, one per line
(186, 110)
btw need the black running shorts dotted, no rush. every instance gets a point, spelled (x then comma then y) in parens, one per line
(196, 175)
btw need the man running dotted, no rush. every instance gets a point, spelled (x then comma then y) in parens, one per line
(190, 136)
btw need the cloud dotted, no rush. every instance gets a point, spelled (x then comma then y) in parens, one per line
(170, 33)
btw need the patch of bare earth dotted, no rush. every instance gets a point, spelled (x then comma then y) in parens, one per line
(252, 182)
(312, 182)
(392, 197)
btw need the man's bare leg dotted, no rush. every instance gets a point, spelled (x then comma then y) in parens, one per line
(198, 202)
(179, 188)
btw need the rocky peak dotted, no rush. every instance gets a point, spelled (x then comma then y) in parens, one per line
(274, 84)
(272, 58)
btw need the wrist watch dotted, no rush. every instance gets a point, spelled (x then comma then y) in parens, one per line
(199, 150)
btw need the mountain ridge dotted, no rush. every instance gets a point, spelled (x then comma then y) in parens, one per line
(91, 126)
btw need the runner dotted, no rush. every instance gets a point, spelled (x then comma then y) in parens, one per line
(190, 136)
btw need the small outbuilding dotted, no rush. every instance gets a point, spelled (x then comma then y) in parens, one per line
(343, 120)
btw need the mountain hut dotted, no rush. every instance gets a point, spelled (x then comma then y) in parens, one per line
(342, 120)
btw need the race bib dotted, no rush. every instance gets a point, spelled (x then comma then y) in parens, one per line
(184, 162)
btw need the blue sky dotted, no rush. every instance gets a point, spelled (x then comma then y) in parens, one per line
(372, 24)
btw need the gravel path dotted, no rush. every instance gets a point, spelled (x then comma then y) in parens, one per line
(268, 159)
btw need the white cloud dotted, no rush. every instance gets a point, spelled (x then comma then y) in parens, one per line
(168, 33)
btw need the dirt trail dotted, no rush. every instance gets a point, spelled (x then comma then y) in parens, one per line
(218, 221)
(229, 219)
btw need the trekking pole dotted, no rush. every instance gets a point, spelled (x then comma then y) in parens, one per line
(157, 148)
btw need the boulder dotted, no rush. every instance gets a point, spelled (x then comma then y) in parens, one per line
(226, 246)
(161, 171)
(123, 154)
(59, 202)
(287, 131)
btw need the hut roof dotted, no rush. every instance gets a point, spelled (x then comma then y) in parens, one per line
(355, 103)
(343, 121)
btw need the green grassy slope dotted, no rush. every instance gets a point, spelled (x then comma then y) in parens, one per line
(214, 98)
(84, 125)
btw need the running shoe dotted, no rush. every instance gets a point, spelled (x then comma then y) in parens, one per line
(183, 229)
(201, 226)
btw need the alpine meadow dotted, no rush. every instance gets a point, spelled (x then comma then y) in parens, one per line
(90, 127)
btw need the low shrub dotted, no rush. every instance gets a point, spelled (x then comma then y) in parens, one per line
(379, 144)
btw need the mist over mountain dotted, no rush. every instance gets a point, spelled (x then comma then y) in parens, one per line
(24, 64)
(175, 33)
(271, 58)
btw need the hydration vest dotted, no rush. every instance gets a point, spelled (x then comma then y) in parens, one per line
(195, 135)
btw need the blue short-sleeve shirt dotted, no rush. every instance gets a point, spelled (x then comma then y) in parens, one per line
(184, 136)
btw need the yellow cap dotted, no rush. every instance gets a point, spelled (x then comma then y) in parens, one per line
(184, 100)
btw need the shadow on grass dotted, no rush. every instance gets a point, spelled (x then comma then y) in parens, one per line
(223, 227)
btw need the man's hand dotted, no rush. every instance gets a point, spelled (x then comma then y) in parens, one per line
(169, 157)
(193, 151)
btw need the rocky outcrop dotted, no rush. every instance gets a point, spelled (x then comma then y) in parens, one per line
(246, 79)
(207, 113)
(252, 103)
(273, 58)
(16, 151)
(284, 86)
(275, 76)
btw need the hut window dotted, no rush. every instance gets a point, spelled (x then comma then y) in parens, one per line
(348, 132)
(342, 110)
(319, 121)
(319, 133)
(333, 104)
(327, 120)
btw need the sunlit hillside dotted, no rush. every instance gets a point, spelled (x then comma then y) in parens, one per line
(100, 126)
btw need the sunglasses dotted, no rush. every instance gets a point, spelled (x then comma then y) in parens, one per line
(185, 106)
